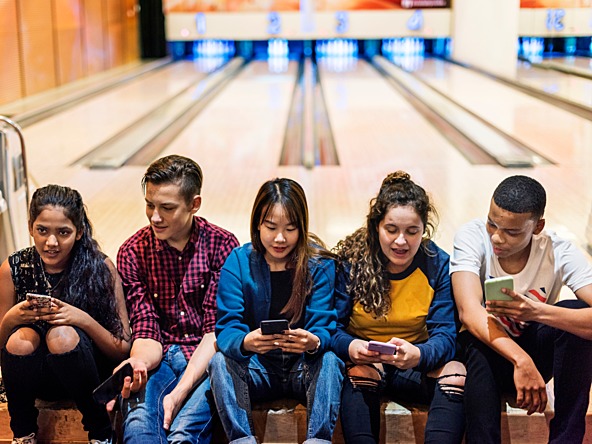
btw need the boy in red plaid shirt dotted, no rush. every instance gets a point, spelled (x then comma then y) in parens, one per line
(170, 271)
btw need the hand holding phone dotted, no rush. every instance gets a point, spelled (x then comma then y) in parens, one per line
(493, 288)
(383, 348)
(274, 326)
(111, 387)
(38, 301)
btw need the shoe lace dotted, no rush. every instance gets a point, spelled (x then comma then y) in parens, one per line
(29, 439)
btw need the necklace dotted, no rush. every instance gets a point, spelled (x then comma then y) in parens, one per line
(47, 281)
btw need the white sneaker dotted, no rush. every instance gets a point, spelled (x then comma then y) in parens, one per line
(25, 440)
(96, 441)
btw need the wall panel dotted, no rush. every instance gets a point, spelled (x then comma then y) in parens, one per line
(49, 43)
(94, 36)
(131, 45)
(37, 45)
(68, 34)
(114, 32)
(10, 71)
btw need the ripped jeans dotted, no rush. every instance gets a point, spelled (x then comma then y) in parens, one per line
(361, 397)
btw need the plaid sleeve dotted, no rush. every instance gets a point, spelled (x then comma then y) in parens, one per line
(221, 247)
(143, 318)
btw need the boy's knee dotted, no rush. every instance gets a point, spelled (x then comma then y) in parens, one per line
(62, 339)
(216, 362)
(23, 342)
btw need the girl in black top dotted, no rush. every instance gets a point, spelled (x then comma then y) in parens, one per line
(66, 349)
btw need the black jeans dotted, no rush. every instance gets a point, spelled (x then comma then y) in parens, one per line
(72, 375)
(360, 407)
(556, 353)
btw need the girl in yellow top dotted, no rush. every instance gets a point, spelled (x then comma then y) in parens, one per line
(395, 289)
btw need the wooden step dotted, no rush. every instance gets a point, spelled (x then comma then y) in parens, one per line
(284, 421)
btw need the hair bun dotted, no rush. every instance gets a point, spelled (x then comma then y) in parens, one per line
(396, 177)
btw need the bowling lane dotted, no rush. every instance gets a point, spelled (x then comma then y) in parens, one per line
(580, 63)
(557, 134)
(377, 131)
(236, 139)
(565, 86)
(56, 142)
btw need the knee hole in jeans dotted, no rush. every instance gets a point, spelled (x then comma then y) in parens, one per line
(364, 376)
(452, 386)
(23, 342)
(61, 339)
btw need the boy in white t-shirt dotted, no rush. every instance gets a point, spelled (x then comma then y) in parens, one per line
(519, 345)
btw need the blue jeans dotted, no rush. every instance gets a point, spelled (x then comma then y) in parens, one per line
(315, 381)
(144, 414)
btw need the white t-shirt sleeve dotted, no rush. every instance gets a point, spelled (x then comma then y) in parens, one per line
(572, 265)
(469, 252)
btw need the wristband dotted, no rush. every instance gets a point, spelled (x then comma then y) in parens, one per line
(316, 349)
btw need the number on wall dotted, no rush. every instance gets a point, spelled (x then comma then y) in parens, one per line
(342, 18)
(275, 25)
(200, 22)
(554, 20)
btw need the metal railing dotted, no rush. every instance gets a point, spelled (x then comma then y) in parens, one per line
(14, 188)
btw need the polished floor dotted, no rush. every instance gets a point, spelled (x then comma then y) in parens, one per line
(238, 137)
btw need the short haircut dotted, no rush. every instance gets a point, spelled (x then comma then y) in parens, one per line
(521, 194)
(177, 170)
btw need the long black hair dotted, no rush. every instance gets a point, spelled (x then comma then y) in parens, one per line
(290, 196)
(87, 282)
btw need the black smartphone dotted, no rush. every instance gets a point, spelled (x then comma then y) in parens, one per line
(111, 387)
(274, 326)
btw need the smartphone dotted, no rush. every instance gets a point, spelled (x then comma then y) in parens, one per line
(38, 300)
(111, 387)
(382, 347)
(274, 326)
(493, 288)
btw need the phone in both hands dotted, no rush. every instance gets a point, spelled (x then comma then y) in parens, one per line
(274, 326)
(38, 300)
(383, 348)
(493, 288)
(111, 387)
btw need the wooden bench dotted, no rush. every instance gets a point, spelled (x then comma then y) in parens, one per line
(284, 421)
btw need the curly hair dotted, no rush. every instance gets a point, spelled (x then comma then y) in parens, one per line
(87, 283)
(369, 282)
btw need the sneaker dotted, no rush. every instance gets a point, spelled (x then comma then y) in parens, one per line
(96, 441)
(25, 440)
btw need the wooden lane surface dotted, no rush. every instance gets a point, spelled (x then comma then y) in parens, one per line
(238, 138)
(555, 133)
(377, 132)
(566, 86)
(56, 142)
